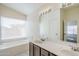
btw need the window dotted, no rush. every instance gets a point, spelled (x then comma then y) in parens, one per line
(71, 33)
(72, 29)
(12, 28)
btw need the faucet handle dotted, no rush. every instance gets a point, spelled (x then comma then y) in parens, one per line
(75, 48)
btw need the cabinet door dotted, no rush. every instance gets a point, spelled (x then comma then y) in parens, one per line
(44, 52)
(31, 49)
(36, 51)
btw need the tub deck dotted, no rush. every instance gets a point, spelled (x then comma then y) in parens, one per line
(14, 48)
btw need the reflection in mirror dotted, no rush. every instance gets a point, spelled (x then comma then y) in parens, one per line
(70, 31)
(43, 29)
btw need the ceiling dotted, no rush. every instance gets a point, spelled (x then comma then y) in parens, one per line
(26, 8)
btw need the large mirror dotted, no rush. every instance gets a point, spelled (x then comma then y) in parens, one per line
(70, 31)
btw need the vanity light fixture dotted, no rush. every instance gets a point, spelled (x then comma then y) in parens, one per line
(45, 11)
(67, 5)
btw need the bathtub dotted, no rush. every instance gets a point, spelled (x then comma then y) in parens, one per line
(14, 48)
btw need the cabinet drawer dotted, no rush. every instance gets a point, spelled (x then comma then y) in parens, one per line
(44, 52)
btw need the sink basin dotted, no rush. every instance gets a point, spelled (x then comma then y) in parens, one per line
(69, 53)
(75, 48)
(37, 41)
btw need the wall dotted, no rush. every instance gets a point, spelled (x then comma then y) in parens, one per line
(53, 18)
(6, 11)
(34, 26)
(62, 17)
(0, 29)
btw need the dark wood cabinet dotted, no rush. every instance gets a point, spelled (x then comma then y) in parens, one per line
(44, 52)
(35, 50)
(31, 49)
(51, 54)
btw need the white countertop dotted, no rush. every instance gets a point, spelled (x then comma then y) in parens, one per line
(59, 48)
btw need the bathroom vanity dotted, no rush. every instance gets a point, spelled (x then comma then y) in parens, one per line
(50, 48)
(35, 50)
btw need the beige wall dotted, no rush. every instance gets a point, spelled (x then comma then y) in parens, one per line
(62, 17)
(6, 11)
(67, 14)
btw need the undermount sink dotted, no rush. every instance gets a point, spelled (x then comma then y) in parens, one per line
(38, 41)
(75, 49)
(69, 52)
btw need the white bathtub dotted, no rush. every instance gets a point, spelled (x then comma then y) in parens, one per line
(14, 48)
